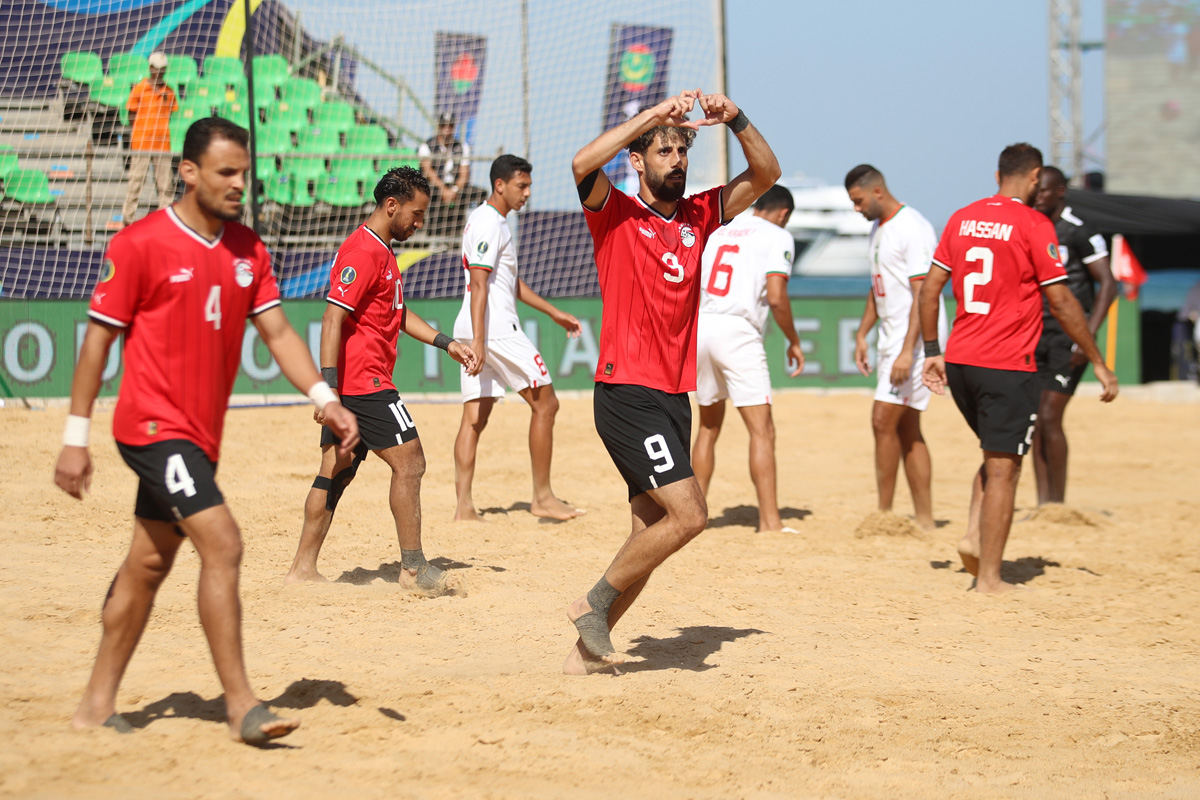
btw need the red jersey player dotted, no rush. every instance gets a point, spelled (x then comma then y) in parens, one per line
(648, 250)
(1002, 255)
(181, 284)
(359, 332)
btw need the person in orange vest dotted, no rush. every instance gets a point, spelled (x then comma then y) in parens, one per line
(151, 103)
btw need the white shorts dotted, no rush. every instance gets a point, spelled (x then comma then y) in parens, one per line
(912, 393)
(512, 361)
(731, 362)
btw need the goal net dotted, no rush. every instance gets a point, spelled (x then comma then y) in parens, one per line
(338, 93)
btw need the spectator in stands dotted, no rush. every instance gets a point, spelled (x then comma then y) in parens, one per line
(446, 164)
(151, 104)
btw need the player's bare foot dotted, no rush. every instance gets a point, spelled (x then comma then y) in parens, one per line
(580, 662)
(996, 587)
(88, 716)
(968, 551)
(593, 633)
(431, 581)
(258, 726)
(467, 515)
(305, 576)
(926, 523)
(555, 509)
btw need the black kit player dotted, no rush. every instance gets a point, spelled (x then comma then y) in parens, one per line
(1002, 256)
(364, 315)
(648, 250)
(181, 284)
(1060, 361)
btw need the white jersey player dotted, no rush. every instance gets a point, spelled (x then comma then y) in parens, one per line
(744, 275)
(505, 357)
(900, 250)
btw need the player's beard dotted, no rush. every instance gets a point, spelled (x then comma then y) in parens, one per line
(657, 184)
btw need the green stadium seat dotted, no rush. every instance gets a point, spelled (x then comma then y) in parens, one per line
(340, 191)
(223, 67)
(111, 91)
(82, 67)
(181, 72)
(236, 112)
(270, 72)
(359, 171)
(334, 115)
(179, 129)
(292, 188)
(212, 90)
(284, 115)
(274, 138)
(28, 186)
(371, 139)
(194, 108)
(8, 163)
(318, 140)
(128, 66)
(302, 92)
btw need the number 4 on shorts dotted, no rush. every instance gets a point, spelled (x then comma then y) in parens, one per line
(178, 478)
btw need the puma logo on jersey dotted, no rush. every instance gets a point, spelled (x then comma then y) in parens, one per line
(184, 275)
(342, 289)
(649, 234)
(98, 297)
(1063, 379)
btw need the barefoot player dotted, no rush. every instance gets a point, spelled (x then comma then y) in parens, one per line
(1002, 255)
(900, 248)
(504, 356)
(359, 331)
(181, 284)
(648, 256)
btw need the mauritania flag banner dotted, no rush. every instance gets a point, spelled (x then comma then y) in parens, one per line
(459, 59)
(637, 78)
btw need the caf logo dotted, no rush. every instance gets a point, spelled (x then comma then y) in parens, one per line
(243, 272)
(687, 236)
(110, 269)
(348, 275)
(482, 248)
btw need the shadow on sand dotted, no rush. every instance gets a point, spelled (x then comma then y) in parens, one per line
(390, 573)
(689, 650)
(748, 516)
(304, 693)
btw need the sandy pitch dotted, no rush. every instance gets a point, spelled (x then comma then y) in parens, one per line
(846, 661)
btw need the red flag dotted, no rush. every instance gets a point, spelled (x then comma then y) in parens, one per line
(1125, 266)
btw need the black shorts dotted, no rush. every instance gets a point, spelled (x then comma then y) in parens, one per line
(647, 432)
(176, 479)
(1000, 405)
(1053, 356)
(383, 421)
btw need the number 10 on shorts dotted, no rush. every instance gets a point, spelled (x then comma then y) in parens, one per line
(403, 418)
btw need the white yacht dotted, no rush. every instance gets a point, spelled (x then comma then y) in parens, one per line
(831, 237)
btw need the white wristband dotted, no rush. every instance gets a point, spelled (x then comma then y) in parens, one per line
(75, 434)
(321, 395)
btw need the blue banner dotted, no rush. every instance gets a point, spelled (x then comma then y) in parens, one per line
(460, 60)
(637, 78)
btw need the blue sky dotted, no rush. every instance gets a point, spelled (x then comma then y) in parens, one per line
(928, 92)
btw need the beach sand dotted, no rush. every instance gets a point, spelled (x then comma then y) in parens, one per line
(845, 661)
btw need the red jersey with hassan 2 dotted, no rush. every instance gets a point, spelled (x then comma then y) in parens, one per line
(999, 252)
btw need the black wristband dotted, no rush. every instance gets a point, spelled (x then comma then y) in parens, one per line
(739, 123)
(442, 341)
(932, 348)
(330, 376)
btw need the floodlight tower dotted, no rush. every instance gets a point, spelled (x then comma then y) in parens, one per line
(1066, 88)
